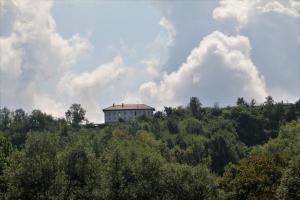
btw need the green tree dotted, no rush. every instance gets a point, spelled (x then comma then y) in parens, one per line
(5, 119)
(182, 182)
(249, 125)
(194, 126)
(195, 107)
(287, 141)
(172, 125)
(39, 121)
(256, 177)
(19, 127)
(132, 171)
(75, 115)
(241, 102)
(6, 149)
(290, 182)
(33, 171)
(80, 173)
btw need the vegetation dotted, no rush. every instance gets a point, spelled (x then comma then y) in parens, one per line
(247, 151)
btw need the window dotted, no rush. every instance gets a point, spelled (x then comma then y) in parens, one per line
(135, 113)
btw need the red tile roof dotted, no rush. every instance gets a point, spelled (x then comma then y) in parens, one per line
(128, 107)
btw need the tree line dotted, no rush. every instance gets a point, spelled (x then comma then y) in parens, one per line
(246, 151)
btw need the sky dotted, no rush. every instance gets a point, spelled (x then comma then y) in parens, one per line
(54, 53)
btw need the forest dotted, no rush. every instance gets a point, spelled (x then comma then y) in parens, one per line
(244, 151)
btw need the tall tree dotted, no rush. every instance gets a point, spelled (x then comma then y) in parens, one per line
(241, 102)
(75, 115)
(195, 106)
(5, 119)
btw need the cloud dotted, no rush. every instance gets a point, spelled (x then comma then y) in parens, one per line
(100, 78)
(153, 67)
(277, 7)
(166, 24)
(40, 68)
(48, 105)
(219, 69)
(191, 21)
(105, 83)
(10, 63)
(34, 53)
(276, 55)
(243, 10)
(239, 10)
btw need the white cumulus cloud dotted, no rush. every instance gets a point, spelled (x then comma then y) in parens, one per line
(100, 78)
(219, 69)
(243, 10)
(95, 88)
(277, 7)
(34, 53)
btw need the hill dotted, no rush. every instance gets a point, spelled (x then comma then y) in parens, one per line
(246, 151)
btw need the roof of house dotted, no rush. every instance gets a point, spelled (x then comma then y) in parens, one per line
(128, 107)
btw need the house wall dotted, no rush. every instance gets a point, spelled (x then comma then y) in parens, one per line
(126, 115)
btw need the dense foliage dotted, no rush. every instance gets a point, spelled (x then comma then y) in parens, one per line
(246, 151)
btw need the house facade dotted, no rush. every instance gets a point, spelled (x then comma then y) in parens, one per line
(126, 112)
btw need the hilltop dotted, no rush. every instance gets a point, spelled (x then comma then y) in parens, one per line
(246, 151)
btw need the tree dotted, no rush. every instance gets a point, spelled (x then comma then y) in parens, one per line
(249, 125)
(252, 103)
(132, 171)
(39, 121)
(79, 172)
(287, 141)
(75, 115)
(182, 182)
(195, 107)
(6, 149)
(290, 182)
(256, 177)
(269, 101)
(168, 111)
(5, 119)
(33, 171)
(19, 127)
(158, 115)
(241, 102)
(172, 125)
(194, 126)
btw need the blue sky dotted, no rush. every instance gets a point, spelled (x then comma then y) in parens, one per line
(58, 52)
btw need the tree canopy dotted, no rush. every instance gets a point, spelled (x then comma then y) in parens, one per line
(246, 151)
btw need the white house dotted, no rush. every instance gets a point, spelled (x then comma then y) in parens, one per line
(126, 112)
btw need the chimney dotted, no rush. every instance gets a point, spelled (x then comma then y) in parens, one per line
(113, 105)
(122, 104)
